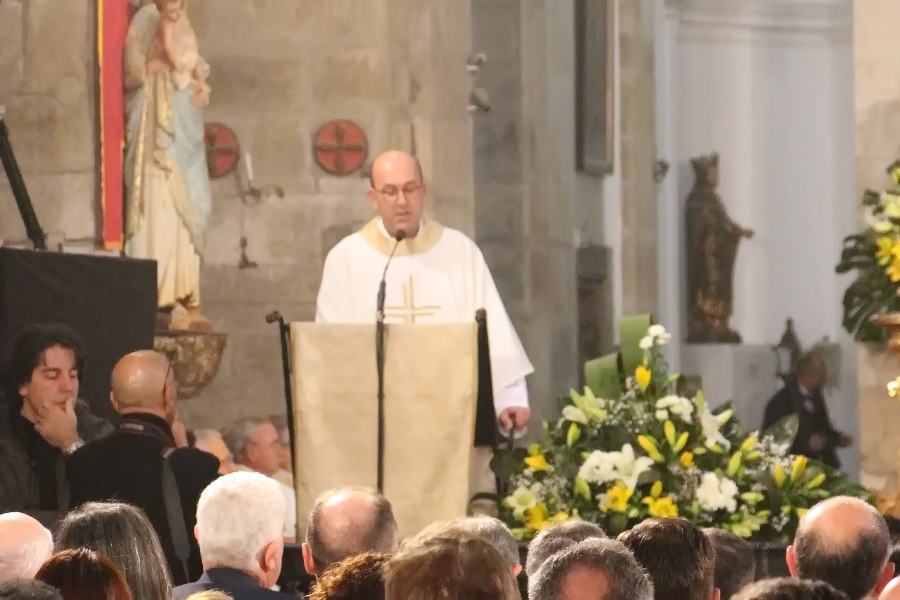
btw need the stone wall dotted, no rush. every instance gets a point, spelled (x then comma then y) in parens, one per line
(46, 83)
(877, 131)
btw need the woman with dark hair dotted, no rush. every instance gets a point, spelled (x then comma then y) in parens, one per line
(83, 574)
(122, 533)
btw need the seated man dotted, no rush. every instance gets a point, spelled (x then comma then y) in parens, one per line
(28, 589)
(556, 538)
(211, 441)
(127, 465)
(347, 521)
(45, 421)
(735, 561)
(25, 545)
(256, 446)
(240, 519)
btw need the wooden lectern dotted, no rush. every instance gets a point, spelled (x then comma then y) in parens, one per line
(431, 383)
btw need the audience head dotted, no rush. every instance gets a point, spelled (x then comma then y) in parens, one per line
(891, 591)
(143, 381)
(240, 525)
(209, 595)
(25, 545)
(123, 534)
(556, 538)
(845, 542)
(677, 556)
(256, 444)
(84, 574)
(594, 569)
(346, 521)
(280, 423)
(43, 368)
(210, 440)
(449, 566)
(734, 559)
(486, 527)
(785, 588)
(27, 589)
(358, 577)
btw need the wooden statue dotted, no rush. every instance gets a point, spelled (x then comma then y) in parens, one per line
(712, 240)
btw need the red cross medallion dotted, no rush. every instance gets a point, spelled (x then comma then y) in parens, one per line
(222, 149)
(340, 147)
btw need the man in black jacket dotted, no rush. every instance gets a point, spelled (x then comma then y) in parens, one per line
(42, 421)
(816, 437)
(129, 464)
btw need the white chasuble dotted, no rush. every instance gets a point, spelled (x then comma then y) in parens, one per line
(439, 276)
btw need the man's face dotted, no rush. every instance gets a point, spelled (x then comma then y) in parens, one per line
(398, 195)
(263, 453)
(54, 382)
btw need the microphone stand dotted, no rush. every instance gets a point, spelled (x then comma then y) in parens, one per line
(284, 331)
(379, 358)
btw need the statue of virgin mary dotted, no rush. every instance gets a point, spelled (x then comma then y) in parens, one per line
(167, 191)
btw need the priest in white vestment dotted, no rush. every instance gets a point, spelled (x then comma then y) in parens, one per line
(438, 275)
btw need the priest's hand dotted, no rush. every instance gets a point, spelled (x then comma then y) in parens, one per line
(514, 415)
(845, 440)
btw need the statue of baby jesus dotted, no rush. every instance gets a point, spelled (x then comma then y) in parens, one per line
(175, 47)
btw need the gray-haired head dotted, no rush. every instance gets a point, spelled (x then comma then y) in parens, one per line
(589, 565)
(241, 434)
(556, 538)
(485, 527)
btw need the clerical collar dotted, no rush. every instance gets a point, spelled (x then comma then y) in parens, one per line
(385, 233)
(375, 234)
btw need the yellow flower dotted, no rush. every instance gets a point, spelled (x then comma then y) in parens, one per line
(649, 445)
(885, 249)
(687, 460)
(778, 474)
(560, 517)
(893, 271)
(643, 376)
(536, 517)
(656, 490)
(801, 512)
(798, 467)
(616, 499)
(661, 507)
(537, 462)
(749, 443)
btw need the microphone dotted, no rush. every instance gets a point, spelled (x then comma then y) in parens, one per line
(379, 311)
(379, 359)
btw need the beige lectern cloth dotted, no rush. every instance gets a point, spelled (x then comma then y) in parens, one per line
(430, 394)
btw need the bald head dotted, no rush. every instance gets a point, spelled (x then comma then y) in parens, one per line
(398, 192)
(843, 541)
(891, 590)
(143, 380)
(347, 521)
(25, 545)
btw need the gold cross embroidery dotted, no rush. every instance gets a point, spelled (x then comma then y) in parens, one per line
(408, 310)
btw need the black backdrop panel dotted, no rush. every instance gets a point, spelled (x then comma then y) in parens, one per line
(110, 301)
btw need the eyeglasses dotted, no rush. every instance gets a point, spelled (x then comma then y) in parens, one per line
(410, 190)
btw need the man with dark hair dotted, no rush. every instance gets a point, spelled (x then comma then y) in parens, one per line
(845, 542)
(28, 589)
(785, 588)
(347, 521)
(556, 538)
(678, 557)
(595, 569)
(45, 421)
(802, 396)
(735, 561)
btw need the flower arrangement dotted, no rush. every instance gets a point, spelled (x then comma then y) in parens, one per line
(641, 450)
(875, 255)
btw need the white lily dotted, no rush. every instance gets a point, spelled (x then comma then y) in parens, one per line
(575, 414)
(711, 424)
(599, 467)
(522, 499)
(592, 407)
(629, 468)
(677, 405)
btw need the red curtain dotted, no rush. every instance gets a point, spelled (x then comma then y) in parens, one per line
(112, 26)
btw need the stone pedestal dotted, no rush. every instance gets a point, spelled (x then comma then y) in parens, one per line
(743, 373)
